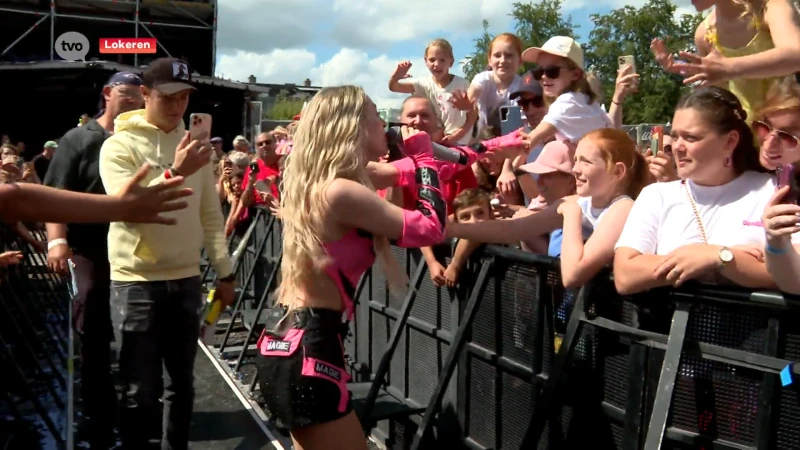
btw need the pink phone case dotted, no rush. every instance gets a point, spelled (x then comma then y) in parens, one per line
(200, 126)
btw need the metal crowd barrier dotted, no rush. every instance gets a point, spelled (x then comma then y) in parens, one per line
(35, 351)
(507, 360)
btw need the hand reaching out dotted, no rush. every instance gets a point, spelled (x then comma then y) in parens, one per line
(10, 258)
(460, 100)
(145, 204)
(705, 70)
(401, 71)
(663, 56)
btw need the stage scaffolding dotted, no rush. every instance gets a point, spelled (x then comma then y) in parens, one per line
(175, 13)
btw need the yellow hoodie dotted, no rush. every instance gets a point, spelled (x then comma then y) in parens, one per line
(143, 252)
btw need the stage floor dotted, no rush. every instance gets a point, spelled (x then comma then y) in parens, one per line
(221, 422)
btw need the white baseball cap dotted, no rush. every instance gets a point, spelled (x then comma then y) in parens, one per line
(560, 46)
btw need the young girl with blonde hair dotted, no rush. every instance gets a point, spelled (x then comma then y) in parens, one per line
(334, 227)
(438, 88)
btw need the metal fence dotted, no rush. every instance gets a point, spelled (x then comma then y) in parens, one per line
(35, 351)
(477, 367)
(509, 359)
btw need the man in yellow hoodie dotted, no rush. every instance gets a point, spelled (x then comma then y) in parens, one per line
(155, 270)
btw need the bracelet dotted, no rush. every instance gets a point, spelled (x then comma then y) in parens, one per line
(56, 243)
(616, 103)
(776, 250)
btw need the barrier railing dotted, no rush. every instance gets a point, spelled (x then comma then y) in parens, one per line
(35, 351)
(499, 362)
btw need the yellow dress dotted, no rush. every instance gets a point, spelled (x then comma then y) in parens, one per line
(751, 92)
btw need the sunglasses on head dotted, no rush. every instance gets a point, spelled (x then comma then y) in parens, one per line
(763, 129)
(552, 72)
(536, 102)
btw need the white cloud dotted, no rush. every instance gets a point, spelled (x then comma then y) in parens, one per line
(348, 66)
(378, 22)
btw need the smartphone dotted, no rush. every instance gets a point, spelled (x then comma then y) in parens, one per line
(510, 119)
(200, 126)
(627, 60)
(787, 176)
(254, 168)
(261, 186)
(656, 139)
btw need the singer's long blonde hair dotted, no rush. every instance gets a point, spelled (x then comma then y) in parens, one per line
(328, 144)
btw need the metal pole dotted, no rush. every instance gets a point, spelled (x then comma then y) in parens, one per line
(215, 4)
(136, 34)
(105, 19)
(157, 41)
(20, 11)
(24, 34)
(188, 13)
(52, 28)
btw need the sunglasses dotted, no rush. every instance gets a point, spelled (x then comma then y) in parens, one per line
(536, 102)
(263, 143)
(552, 72)
(763, 129)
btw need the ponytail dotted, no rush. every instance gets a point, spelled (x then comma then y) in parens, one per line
(639, 176)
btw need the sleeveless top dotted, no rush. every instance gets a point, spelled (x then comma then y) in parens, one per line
(351, 256)
(750, 92)
(591, 215)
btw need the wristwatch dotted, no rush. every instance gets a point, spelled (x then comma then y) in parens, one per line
(725, 257)
(229, 279)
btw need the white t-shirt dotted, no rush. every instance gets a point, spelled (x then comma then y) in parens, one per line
(591, 215)
(491, 96)
(662, 218)
(573, 116)
(452, 118)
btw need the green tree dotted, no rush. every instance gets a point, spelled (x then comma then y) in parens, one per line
(535, 23)
(285, 107)
(629, 31)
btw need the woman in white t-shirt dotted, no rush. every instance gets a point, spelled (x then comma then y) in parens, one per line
(439, 88)
(609, 173)
(708, 223)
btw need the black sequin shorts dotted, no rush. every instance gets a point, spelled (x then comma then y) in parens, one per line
(301, 371)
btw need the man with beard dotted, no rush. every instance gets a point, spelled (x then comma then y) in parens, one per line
(75, 167)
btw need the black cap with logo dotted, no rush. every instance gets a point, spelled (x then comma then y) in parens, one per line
(168, 75)
(529, 85)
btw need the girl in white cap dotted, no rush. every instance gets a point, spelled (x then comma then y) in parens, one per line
(573, 110)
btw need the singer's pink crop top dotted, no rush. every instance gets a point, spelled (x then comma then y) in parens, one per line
(351, 256)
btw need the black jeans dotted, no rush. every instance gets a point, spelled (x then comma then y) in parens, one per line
(92, 324)
(158, 324)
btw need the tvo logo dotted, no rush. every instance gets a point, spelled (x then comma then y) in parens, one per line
(72, 46)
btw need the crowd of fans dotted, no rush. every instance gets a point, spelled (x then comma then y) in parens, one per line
(714, 201)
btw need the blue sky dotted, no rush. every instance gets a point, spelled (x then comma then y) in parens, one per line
(360, 42)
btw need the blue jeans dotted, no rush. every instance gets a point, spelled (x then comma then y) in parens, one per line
(157, 325)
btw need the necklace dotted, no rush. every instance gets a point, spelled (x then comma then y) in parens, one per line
(696, 211)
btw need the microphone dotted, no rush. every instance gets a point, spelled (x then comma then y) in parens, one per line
(395, 140)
